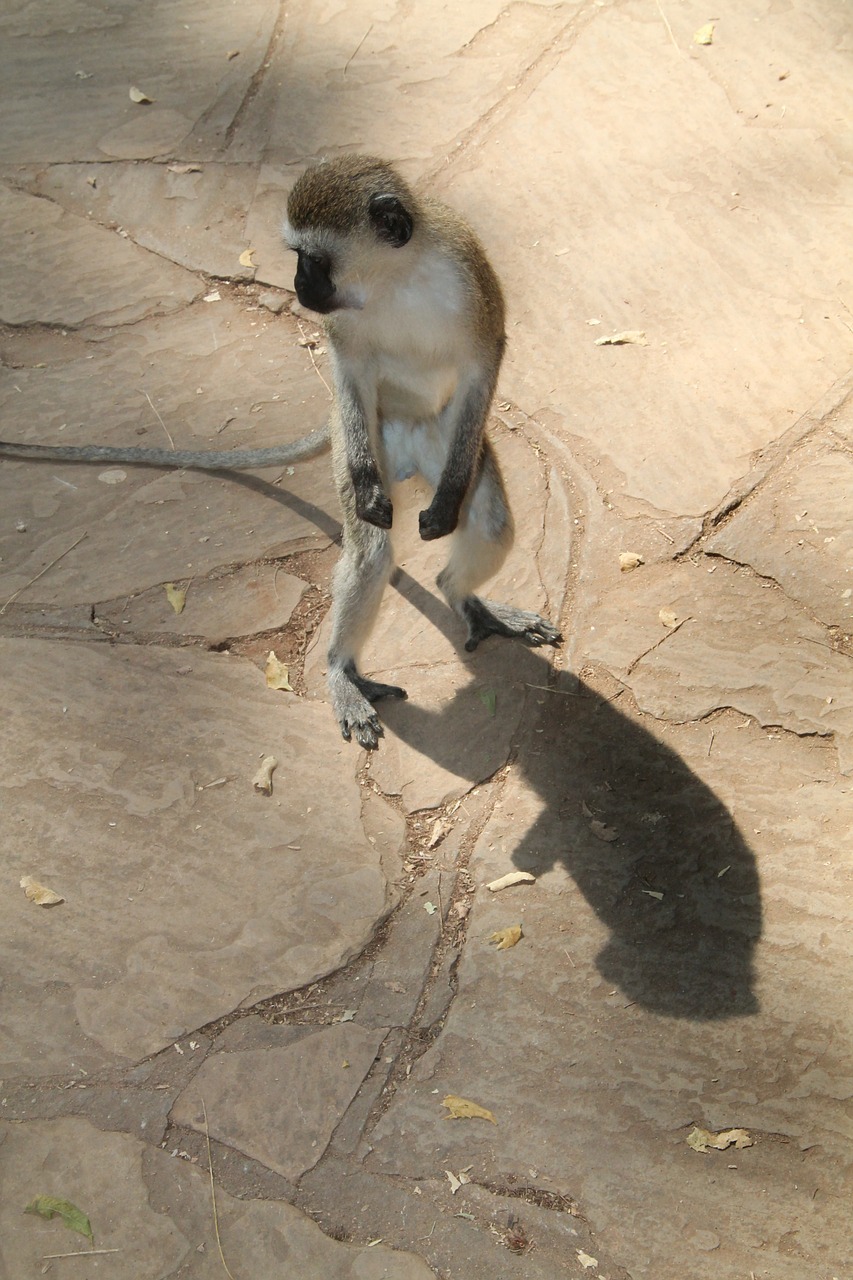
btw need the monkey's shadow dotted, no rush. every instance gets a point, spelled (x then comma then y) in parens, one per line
(687, 954)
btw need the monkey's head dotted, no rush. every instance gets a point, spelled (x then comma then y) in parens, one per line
(344, 217)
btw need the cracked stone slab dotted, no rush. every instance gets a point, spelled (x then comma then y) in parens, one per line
(249, 600)
(66, 79)
(464, 66)
(742, 644)
(622, 1019)
(196, 218)
(796, 530)
(217, 376)
(299, 1092)
(693, 265)
(59, 269)
(182, 901)
(155, 1213)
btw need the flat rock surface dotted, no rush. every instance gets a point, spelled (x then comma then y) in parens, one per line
(267, 998)
(158, 826)
(152, 1213)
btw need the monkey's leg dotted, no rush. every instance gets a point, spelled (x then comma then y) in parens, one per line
(480, 546)
(359, 581)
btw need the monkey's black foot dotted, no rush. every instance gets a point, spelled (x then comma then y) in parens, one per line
(485, 618)
(352, 699)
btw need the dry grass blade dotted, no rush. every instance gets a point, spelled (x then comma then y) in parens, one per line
(213, 1192)
(42, 572)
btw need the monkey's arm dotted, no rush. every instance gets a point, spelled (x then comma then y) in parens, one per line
(309, 446)
(372, 503)
(442, 515)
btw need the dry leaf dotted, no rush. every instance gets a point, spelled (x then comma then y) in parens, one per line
(136, 95)
(653, 893)
(585, 1260)
(184, 168)
(629, 560)
(462, 1109)
(506, 938)
(430, 908)
(438, 832)
(74, 1218)
(511, 878)
(456, 1180)
(232, 53)
(667, 617)
(703, 1139)
(262, 780)
(214, 296)
(637, 336)
(38, 894)
(276, 674)
(177, 596)
(601, 831)
(704, 35)
(488, 698)
(246, 258)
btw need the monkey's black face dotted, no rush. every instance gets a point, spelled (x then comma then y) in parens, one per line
(313, 282)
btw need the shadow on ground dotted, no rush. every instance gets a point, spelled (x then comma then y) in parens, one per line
(687, 953)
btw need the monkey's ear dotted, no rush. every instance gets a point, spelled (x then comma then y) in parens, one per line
(391, 220)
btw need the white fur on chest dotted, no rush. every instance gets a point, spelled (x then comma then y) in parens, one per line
(414, 335)
(420, 341)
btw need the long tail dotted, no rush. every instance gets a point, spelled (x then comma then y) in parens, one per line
(309, 446)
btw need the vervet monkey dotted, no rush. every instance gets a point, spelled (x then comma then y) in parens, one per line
(414, 316)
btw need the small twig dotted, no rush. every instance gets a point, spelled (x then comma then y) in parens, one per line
(664, 534)
(670, 632)
(83, 1253)
(357, 47)
(159, 419)
(213, 1192)
(314, 362)
(440, 904)
(42, 572)
(564, 693)
(668, 27)
(569, 958)
(711, 743)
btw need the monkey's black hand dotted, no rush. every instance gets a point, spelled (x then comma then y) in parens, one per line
(437, 521)
(373, 505)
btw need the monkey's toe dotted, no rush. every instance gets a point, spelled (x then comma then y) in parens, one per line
(373, 690)
(485, 618)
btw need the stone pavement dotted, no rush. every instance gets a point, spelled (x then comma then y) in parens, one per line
(247, 1010)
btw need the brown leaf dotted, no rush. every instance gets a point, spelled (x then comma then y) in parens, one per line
(636, 336)
(136, 95)
(668, 618)
(705, 35)
(177, 596)
(462, 1109)
(246, 258)
(38, 894)
(629, 560)
(506, 938)
(601, 831)
(262, 780)
(704, 1139)
(183, 168)
(511, 878)
(276, 674)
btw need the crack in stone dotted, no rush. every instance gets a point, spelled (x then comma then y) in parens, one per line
(256, 83)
